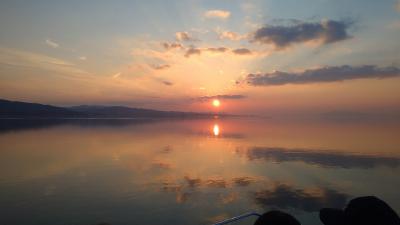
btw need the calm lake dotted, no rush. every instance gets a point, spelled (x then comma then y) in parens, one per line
(86, 172)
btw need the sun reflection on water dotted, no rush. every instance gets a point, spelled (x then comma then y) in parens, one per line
(216, 130)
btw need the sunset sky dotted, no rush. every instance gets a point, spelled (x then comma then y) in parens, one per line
(257, 56)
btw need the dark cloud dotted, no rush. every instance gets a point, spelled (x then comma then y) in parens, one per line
(217, 50)
(168, 46)
(192, 51)
(232, 97)
(161, 66)
(168, 83)
(280, 36)
(320, 158)
(242, 51)
(285, 197)
(320, 75)
(197, 51)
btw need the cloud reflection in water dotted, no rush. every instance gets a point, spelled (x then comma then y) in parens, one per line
(284, 196)
(319, 157)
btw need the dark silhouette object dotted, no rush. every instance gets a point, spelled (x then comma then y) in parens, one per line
(367, 210)
(276, 218)
(13, 109)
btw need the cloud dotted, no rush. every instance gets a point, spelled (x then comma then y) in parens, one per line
(285, 197)
(169, 46)
(242, 51)
(217, 50)
(231, 97)
(221, 14)
(230, 35)
(52, 43)
(322, 75)
(320, 158)
(23, 59)
(192, 51)
(83, 58)
(168, 83)
(161, 66)
(325, 32)
(184, 36)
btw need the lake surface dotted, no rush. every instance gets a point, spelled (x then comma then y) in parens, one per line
(86, 172)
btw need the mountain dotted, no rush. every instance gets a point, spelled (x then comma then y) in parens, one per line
(13, 109)
(122, 111)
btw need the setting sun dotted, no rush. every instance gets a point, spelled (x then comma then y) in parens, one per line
(216, 103)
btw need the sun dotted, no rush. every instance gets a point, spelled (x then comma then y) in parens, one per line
(216, 103)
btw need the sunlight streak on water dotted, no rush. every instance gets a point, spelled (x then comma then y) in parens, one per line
(216, 130)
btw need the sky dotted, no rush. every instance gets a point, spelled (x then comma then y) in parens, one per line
(257, 57)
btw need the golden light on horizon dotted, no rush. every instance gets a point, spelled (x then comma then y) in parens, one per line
(216, 103)
(216, 130)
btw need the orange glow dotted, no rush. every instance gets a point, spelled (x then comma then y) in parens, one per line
(216, 130)
(216, 103)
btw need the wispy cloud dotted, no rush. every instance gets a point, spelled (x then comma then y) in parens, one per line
(161, 66)
(242, 51)
(217, 50)
(83, 58)
(325, 32)
(173, 45)
(51, 43)
(24, 59)
(322, 75)
(231, 97)
(230, 35)
(192, 51)
(117, 75)
(168, 83)
(221, 14)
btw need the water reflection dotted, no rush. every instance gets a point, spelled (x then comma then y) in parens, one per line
(319, 157)
(216, 130)
(286, 197)
(153, 172)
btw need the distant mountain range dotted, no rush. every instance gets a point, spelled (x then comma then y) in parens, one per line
(14, 109)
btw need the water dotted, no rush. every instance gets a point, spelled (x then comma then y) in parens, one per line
(87, 172)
